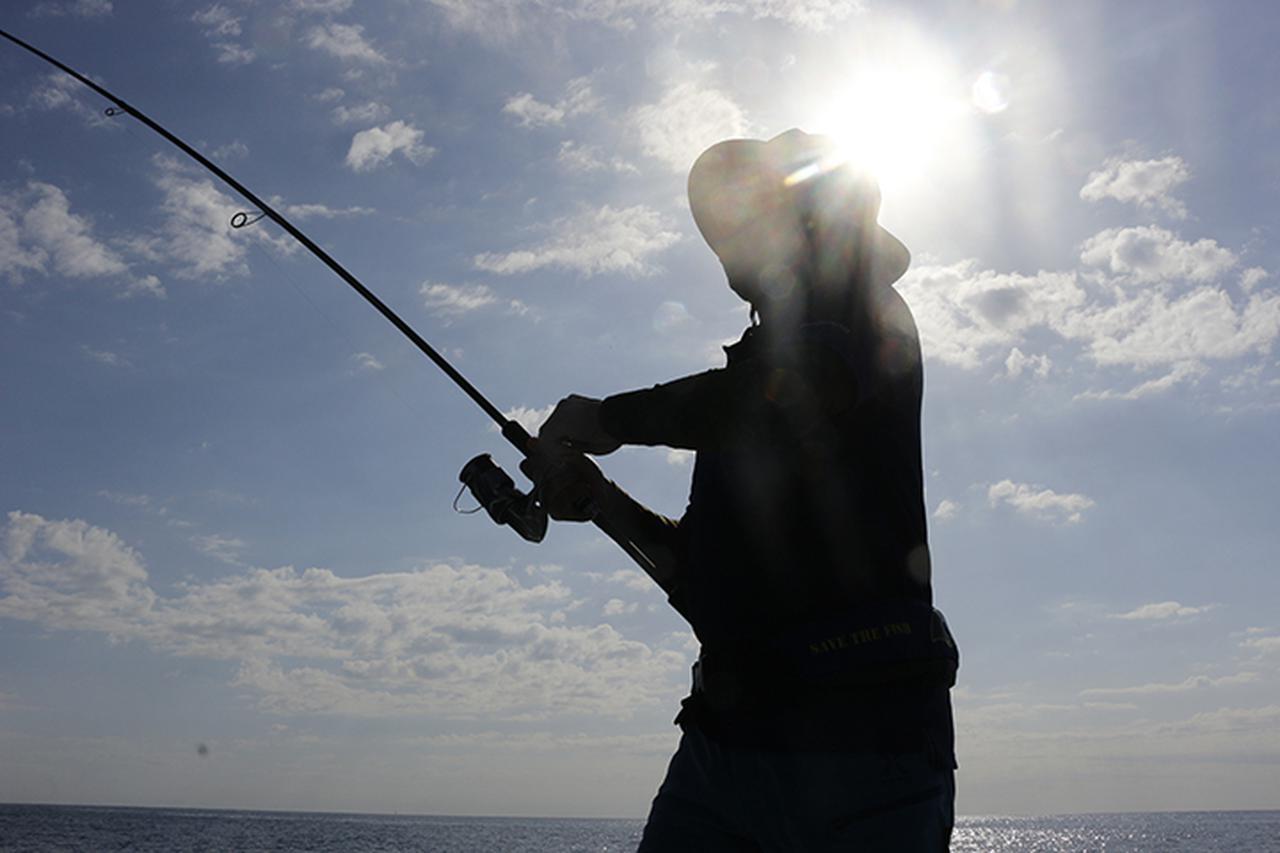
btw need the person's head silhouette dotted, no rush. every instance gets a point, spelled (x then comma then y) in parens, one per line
(794, 225)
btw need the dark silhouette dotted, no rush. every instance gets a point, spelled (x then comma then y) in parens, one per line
(820, 714)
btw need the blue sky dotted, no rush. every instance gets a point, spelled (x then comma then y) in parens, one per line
(228, 482)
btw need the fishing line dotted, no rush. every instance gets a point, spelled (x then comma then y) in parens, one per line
(511, 430)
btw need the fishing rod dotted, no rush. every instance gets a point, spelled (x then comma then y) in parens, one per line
(488, 483)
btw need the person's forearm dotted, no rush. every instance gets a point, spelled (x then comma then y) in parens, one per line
(655, 535)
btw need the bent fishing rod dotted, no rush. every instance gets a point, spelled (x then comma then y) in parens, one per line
(490, 485)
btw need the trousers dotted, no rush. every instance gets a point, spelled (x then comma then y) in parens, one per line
(718, 797)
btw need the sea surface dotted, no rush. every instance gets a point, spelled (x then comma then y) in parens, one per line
(97, 828)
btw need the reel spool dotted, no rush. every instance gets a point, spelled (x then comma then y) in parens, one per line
(497, 493)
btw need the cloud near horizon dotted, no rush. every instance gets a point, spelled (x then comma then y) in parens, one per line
(454, 641)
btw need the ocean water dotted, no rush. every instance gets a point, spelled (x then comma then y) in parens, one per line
(98, 828)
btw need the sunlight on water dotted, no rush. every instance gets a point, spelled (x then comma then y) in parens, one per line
(28, 829)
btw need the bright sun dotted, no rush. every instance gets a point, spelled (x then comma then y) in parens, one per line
(903, 117)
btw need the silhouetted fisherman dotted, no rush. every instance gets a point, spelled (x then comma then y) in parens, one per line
(820, 715)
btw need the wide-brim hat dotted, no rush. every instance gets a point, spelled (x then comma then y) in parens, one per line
(761, 203)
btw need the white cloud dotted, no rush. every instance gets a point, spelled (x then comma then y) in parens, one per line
(318, 211)
(218, 20)
(220, 25)
(110, 359)
(75, 8)
(1179, 374)
(1147, 253)
(618, 607)
(947, 509)
(966, 313)
(607, 240)
(1145, 304)
(1162, 610)
(39, 234)
(632, 579)
(580, 159)
(328, 7)
(687, 120)
(233, 150)
(1017, 362)
(1251, 278)
(230, 53)
(67, 237)
(1194, 682)
(451, 300)
(224, 548)
(1146, 183)
(530, 419)
(578, 98)
(670, 317)
(366, 361)
(69, 574)
(1152, 330)
(373, 147)
(1039, 503)
(451, 641)
(1266, 644)
(196, 235)
(58, 91)
(344, 41)
(370, 111)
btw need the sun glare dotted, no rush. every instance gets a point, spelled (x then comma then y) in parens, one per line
(898, 118)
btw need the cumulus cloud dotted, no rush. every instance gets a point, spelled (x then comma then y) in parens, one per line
(1142, 297)
(196, 237)
(41, 235)
(966, 313)
(373, 147)
(528, 111)
(1146, 253)
(224, 548)
(1162, 610)
(370, 111)
(1147, 300)
(579, 158)
(1039, 503)
(451, 641)
(71, 247)
(449, 301)
(946, 510)
(687, 119)
(606, 240)
(218, 20)
(345, 42)
(1019, 362)
(58, 91)
(530, 419)
(1146, 183)
(222, 26)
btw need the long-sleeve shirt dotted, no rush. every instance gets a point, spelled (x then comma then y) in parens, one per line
(807, 494)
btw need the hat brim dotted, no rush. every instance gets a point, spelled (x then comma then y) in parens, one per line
(742, 193)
